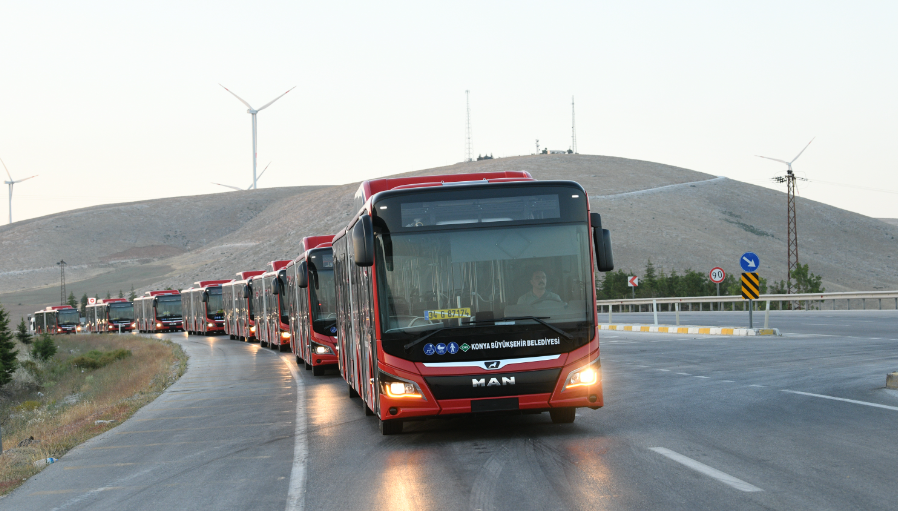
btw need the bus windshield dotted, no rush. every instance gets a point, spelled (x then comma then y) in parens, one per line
(215, 306)
(323, 296)
(68, 317)
(168, 307)
(502, 284)
(121, 312)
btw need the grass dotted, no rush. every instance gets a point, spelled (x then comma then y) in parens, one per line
(60, 403)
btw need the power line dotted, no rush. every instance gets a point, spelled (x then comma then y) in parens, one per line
(61, 265)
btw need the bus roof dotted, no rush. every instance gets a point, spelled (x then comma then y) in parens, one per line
(310, 242)
(58, 307)
(368, 188)
(278, 265)
(162, 292)
(243, 275)
(209, 283)
(111, 300)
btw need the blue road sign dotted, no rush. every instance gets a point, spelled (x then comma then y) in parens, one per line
(750, 262)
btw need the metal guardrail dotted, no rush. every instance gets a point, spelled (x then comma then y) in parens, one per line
(676, 302)
(805, 297)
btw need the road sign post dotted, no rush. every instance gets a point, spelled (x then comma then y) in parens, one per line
(633, 281)
(717, 275)
(750, 291)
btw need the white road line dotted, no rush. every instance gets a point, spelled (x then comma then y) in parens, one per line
(723, 477)
(757, 385)
(865, 403)
(728, 381)
(702, 376)
(665, 370)
(296, 493)
(684, 374)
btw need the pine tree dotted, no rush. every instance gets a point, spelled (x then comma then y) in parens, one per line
(72, 300)
(8, 360)
(108, 295)
(22, 333)
(121, 294)
(84, 304)
(132, 295)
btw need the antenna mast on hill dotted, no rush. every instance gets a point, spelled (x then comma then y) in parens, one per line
(469, 150)
(573, 128)
(791, 222)
(61, 265)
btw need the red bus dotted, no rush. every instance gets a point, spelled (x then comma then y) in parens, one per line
(57, 319)
(473, 293)
(311, 298)
(110, 315)
(238, 306)
(201, 307)
(270, 307)
(158, 311)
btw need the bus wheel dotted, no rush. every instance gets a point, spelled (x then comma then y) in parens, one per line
(308, 365)
(563, 415)
(352, 392)
(391, 427)
(317, 370)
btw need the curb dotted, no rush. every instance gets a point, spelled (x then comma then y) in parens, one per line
(892, 381)
(704, 330)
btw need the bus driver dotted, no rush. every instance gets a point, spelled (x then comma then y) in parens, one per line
(538, 294)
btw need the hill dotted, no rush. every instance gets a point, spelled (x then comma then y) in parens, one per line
(676, 217)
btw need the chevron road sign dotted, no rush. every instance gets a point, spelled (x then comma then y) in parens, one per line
(750, 286)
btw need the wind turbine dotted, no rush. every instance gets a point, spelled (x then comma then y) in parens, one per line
(248, 187)
(253, 112)
(10, 183)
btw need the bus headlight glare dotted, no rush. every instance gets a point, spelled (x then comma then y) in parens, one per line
(210, 325)
(584, 376)
(322, 350)
(393, 386)
(285, 335)
(252, 329)
(158, 325)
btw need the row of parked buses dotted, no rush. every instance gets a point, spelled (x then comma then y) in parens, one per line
(443, 295)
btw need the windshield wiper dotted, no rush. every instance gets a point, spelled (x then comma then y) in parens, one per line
(425, 336)
(534, 318)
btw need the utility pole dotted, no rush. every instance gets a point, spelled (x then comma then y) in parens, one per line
(573, 128)
(537, 146)
(791, 222)
(469, 150)
(61, 265)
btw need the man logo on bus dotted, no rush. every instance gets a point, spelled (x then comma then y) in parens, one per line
(494, 382)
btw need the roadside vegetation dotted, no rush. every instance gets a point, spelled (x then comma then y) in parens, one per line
(655, 283)
(58, 391)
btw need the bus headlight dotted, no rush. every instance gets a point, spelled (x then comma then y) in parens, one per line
(78, 328)
(252, 329)
(584, 376)
(210, 325)
(393, 386)
(321, 349)
(158, 325)
(285, 335)
(133, 325)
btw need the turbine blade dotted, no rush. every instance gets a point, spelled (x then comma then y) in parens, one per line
(26, 179)
(774, 159)
(7, 170)
(228, 186)
(236, 96)
(260, 174)
(799, 154)
(275, 99)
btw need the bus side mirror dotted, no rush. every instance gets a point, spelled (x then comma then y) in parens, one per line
(363, 242)
(302, 275)
(275, 286)
(246, 292)
(205, 297)
(602, 240)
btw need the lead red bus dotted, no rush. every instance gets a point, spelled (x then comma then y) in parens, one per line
(270, 307)
(239, 321)
(57, 319)
(311, 298)
(201, 306)
(110, 315)
(158, 311)
(471, 293)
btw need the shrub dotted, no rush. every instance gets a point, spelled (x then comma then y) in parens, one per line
(44, 348)
(22, 333)
(95, 359)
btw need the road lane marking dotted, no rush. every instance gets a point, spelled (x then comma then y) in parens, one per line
(296, 492)
(865, 403)
(684, 374)
(702, 376)
(723, 477)
(727, 381)
(665, 370)
(755, 385)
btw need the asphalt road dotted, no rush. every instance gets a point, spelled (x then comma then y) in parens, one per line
(690, 422)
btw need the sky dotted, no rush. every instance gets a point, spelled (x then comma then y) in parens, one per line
(120, 101)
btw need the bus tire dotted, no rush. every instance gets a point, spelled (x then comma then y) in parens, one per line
(368, 411)
(352, 392)
(308, 365)
(391, 427)
(317, 370)
(563, 415)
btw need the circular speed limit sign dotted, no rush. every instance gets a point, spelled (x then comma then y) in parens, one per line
(717, 275)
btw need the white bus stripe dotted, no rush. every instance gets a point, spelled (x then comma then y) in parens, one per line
(723, 477)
